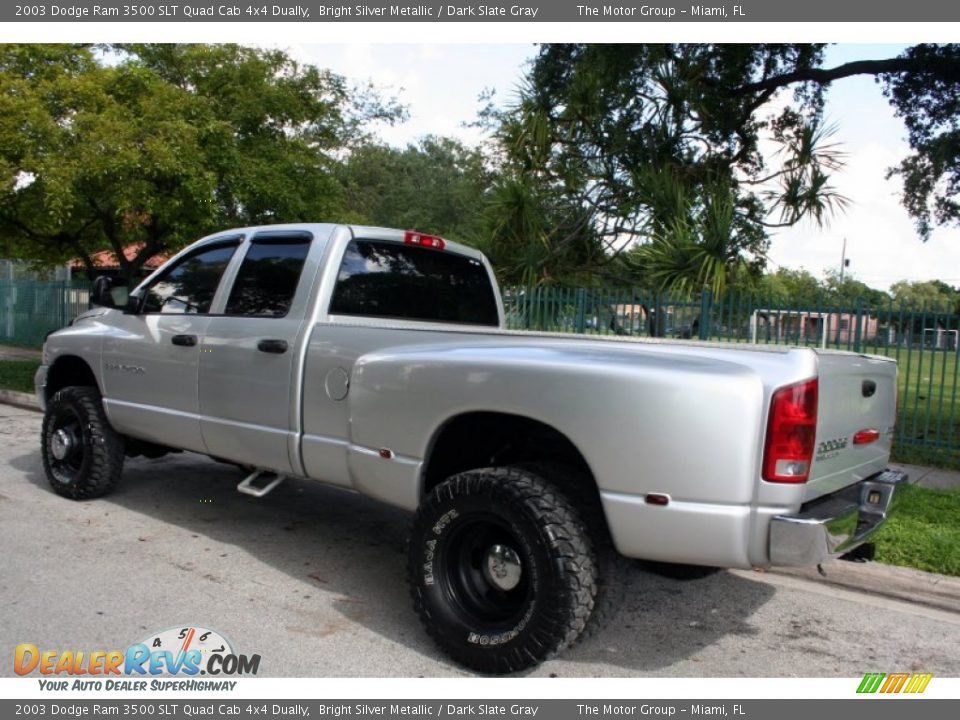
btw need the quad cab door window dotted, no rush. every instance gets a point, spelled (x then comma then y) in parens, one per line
(151, 370)
(189, 286)
(268, 277)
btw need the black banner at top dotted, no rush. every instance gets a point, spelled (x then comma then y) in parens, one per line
(225, 706)
(321, 11)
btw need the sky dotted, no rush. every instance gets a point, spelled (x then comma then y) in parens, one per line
(441, 83)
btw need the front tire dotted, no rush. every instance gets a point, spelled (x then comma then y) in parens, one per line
(82, 455)
(501, 569)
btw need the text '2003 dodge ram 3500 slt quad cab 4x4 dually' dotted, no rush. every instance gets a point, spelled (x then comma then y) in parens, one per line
(376, 360)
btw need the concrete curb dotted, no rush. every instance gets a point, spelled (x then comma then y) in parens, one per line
(19, 399)
(12, 352)
(899, 583)
(936, 478)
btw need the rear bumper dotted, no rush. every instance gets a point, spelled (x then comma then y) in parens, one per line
(837, 523)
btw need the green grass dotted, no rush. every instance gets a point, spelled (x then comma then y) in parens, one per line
(928, 427)
(924, 533)
(18, 374)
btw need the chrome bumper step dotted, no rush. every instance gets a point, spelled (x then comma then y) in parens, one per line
(835, 524)
(250, 486)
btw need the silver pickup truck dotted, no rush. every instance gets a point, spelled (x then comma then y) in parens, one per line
(377, 360)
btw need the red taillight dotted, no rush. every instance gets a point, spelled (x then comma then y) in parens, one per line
(791, 433)
(412, 237)
(865, 437)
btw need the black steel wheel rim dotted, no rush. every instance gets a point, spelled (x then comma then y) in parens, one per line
(484, 598)
(66, 447)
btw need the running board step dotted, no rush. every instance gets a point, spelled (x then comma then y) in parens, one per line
(250, 487)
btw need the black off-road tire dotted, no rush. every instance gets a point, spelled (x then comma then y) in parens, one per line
(473, 536)
(613, 569)
(92, 462)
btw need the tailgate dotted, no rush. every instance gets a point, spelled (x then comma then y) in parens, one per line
(856, 393)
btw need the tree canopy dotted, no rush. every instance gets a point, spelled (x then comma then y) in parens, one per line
(437, 185)
(931, 295)
(156, 145)
(662, 165)
(693, 153)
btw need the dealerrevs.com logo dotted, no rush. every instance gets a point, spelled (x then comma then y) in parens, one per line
(185, 652)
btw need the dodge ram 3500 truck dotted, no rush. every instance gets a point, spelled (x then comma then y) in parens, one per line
(377, 360)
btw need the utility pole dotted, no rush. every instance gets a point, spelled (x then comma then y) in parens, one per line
(844, 263)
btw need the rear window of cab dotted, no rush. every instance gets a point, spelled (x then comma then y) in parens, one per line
(408, 282)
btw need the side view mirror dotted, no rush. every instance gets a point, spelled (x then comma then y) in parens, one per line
(109, 292)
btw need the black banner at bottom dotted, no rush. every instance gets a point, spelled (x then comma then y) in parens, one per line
(872, 707)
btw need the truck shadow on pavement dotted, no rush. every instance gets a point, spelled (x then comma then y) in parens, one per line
(348, 552)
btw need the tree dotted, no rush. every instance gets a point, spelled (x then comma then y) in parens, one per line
(666, 146)
(786, 287)
(932, 295)
(535, 236)
(850, 292)
(437, 185)
(165, 143)
(924, 87)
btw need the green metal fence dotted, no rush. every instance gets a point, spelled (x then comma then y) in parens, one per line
(924, 341)
(29, 309)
